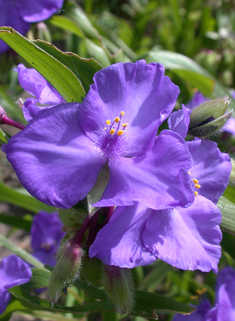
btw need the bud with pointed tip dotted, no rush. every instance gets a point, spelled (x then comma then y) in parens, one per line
(66, 269)
(119, 286)
(209, 117)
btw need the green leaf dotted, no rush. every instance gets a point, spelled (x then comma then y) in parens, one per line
(78, 16)
(147, 303)
(14, 305)
(152, 279)
(97, 52)
(185, 67)
(190, 71)
(3, 138)
(60, 77)
(67, 24)
(83, 68)
(228, 215)
(16, 222)
(23, 200)
(20, 252)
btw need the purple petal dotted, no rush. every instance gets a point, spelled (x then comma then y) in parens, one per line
(46, 231)
(119, 242)
(212, 315)
(34, 11)
(32, 82)
(30, 108)
(210, 167)
(229, 126)
(146, 96)
(9, 16)
(187, 238)
(198, 315)
(53, 158)
(225, 295)
(4, 299)
(179, 121)
(46, 257)
(159, 179)
(197, 100)
(226, 302)
(13, 271)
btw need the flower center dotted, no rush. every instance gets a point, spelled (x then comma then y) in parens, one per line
(196, 185)
(111, 141)
(116, 129)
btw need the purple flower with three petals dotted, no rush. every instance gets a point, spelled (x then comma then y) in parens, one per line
(13, 271)
(60, 153)
(187, 238)
(46, 95)
(224, 309)
(19, 14)
(46, 235)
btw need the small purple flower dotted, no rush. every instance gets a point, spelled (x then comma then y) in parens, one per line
(60, 153)
(46, 235)
(13, 271)
(187, 238)
(46, 95)
(224, 309)
(19, 14)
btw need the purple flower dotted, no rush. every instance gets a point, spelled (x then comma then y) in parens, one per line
(60, 153)
(187, 238)
(46, 234)
(13, 271)
(32, 82)
(19, 14)
(224, 309)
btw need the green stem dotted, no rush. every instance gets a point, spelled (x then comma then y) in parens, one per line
(109, 316)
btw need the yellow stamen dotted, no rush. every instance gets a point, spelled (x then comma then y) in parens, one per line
(195, 193)
(200, 292)
(122, 113)
(112, 131)
(117, 119)
(124, 125)
(195, 181)
(197, 185)
(45, 246)
(189, 173)
(120, 132)
(108, 122)
(105, 128)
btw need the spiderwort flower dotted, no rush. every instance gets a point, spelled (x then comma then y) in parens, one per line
(46, 95)
(13, 271)
(60, 153)
(19, 14)
(224, 308)
(187, 238)
(46, 234)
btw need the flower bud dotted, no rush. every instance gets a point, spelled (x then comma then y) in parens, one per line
(209, 117)
(66, 269)
(92, 270)
(119, 286)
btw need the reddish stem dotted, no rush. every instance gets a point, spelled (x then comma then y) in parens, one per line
(8, 121)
